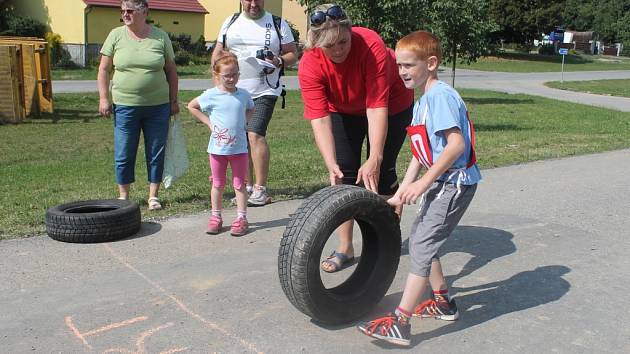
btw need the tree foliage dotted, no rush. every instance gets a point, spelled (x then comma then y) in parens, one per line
(12, 24)
(523, 21)
(462, 25)
(391, 19)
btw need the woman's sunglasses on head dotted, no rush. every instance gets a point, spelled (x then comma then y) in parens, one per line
(334, 12)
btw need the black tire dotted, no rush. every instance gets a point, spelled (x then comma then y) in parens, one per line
(93, 221)
(303, 242)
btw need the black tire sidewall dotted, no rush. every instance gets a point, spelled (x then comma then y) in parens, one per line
(119, 219)
(375, 271)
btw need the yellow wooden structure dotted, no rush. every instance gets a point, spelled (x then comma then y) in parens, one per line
(11, 105)
(25, 61)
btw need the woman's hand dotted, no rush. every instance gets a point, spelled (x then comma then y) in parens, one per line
(335, 174)
(104, 107)
(369, 174)
(174, 108)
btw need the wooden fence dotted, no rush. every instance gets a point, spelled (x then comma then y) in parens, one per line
(27, 89)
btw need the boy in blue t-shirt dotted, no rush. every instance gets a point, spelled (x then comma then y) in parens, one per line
(442, 140)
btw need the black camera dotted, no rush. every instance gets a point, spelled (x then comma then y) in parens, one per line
(263, 54)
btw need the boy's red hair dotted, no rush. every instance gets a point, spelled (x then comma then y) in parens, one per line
(424, 44)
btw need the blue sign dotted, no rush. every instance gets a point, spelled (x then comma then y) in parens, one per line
(563, 51)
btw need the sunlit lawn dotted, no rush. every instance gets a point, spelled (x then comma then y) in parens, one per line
(184, 72)
(69, 156)
(619, 87)
(523, 63)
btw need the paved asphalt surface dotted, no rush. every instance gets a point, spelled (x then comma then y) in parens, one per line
(538, 264)
(529, 83)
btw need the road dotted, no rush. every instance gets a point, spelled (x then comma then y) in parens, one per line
(527, 83)
(538, 265)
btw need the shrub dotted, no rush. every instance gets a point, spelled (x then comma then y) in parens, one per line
(201, 59)
(23, 26)
(296, 36)
(199, 47)
(54, 47)
(182, 57)
(186, 51)
(181, 42)
(65, 61)
(547, 49)
(524, 47)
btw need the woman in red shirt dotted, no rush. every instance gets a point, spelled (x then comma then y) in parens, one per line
(351, 90)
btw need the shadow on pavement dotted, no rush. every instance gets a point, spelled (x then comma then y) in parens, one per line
(147, 228)
(259, 225)
(524, 290)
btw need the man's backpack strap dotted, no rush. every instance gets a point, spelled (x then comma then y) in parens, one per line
(234, 17)
(277, 23)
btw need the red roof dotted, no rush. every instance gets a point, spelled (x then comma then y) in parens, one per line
(166, 5)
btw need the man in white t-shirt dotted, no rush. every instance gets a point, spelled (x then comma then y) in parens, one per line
(251, 31)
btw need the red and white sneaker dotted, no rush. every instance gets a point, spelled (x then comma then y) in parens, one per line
(441, 310)
(390, 328)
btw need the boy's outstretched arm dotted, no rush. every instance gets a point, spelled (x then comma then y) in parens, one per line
(412, 173)
(455, 146)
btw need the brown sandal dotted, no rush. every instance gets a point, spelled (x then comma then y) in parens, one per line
(344, 261)
(154, 203)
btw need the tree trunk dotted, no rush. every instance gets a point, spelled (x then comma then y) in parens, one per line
(454, 56)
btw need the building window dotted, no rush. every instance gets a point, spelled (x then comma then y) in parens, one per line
(176, 22)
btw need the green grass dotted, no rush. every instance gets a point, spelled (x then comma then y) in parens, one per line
(523, 63)
(619, 87)
(183, 72)
(69, 156)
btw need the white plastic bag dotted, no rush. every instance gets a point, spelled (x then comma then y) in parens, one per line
(176, 156)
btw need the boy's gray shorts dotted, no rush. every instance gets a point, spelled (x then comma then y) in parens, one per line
(263, 110)
(436, 220)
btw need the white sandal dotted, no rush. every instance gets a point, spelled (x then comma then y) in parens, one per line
(154, 203)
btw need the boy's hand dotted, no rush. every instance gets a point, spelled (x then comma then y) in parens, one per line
(397, 204)
(394, 201)
(413, 191)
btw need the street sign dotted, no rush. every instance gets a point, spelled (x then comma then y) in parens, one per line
(563, 51)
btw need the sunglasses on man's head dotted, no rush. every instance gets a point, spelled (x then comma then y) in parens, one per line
(334, 12)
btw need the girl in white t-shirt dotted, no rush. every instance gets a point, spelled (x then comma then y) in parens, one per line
(228, 109)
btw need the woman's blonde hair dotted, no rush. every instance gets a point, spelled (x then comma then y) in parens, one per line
(225, 59)
(328, 32)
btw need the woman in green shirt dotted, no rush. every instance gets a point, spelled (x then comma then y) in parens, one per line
(144, 94)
